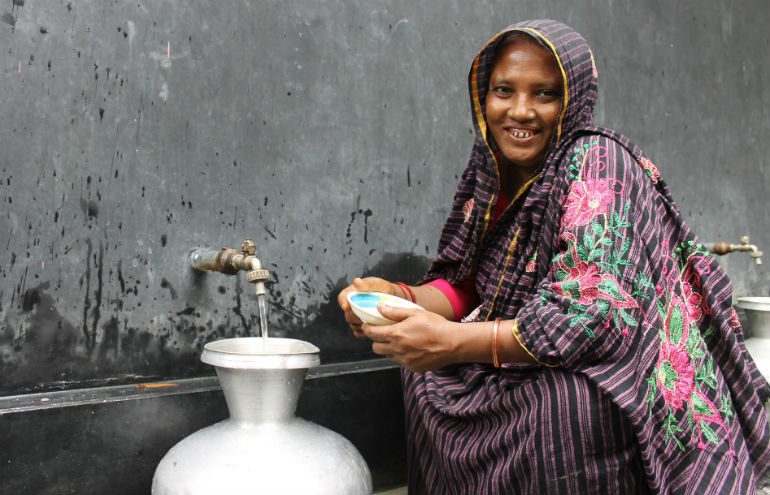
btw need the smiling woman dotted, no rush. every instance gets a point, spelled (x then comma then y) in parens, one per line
(576, 338)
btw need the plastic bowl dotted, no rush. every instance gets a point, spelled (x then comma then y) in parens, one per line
(364, 305)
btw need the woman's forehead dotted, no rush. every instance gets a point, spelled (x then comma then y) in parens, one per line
(526, 61)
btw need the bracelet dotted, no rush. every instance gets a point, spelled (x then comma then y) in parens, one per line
(407, 291)
(495, 331)
(517, 337)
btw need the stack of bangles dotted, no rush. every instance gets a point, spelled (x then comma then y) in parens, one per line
(407, 291)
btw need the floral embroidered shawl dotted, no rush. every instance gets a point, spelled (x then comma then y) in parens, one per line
(605, 281)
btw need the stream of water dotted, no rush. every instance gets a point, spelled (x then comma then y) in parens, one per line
(262, 302)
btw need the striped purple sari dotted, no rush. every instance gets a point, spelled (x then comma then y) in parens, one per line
(643, 383)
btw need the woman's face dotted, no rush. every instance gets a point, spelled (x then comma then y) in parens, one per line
(523, 103)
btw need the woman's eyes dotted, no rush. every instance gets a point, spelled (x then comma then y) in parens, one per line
(504, 91)
(549, 93)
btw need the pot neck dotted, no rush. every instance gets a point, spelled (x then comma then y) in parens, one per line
(262, 395)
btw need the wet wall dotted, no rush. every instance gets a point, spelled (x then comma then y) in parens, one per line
(332, 133)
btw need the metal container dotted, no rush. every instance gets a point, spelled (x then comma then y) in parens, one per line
(757, 311)
(263, 448)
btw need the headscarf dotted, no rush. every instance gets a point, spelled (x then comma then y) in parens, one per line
(603, 278)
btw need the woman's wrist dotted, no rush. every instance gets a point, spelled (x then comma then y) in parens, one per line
(473, 343)
(456, 342)
(406, 291)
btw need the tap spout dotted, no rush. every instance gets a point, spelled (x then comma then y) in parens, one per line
(722, 248)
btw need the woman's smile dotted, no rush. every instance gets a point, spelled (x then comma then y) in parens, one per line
(519, 135)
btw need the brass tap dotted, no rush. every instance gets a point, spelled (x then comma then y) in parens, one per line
(230, 261)
(723, 247)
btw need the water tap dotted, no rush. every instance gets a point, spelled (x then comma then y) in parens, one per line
(723, 247)
(230, 261)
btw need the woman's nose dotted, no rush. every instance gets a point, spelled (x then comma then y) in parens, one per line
(521, 109)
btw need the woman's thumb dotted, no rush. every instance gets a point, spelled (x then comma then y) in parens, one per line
(395, 313)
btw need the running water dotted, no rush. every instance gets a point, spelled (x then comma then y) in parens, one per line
(262, 302)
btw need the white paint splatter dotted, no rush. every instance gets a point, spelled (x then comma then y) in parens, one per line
(131, 31)
(163, 92)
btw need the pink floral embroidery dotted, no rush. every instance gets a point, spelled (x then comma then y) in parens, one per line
(468, 209)
(735, 322)
(685, 370)
(650, 168)
(587, 199)
(676, 376)
(697, 267)
(531, 264)
(582, 283)
(693, 300)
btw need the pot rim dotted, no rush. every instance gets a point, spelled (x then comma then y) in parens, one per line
(756, 303)
(249, 353)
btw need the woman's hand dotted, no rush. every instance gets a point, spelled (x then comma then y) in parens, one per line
(420, 341)
(369, 284)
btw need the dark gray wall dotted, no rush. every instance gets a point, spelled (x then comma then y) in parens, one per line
(330, 132)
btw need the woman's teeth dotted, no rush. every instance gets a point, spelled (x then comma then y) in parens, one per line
(520, 134)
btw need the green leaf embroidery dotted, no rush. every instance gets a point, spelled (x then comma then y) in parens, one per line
(605, 267)
(653, 384)
(582, 252)
(567, 260)
(610, 287)
(700, 406)
(604, 306)
(727, 408)
(672, 428)
(669, 375)
(676, 324)
(710, 434)
(630, 321)
(571, 288)
(597, 228)
(626, 246)
(697, 353)
(596, 253)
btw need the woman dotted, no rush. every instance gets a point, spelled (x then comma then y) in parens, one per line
(599, 352)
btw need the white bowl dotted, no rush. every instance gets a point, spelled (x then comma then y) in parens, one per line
(364, 305)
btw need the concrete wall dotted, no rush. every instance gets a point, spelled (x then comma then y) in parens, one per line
(332, 133)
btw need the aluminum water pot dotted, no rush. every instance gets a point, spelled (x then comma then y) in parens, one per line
(263, 448)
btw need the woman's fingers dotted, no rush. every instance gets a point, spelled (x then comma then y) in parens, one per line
(373, 284)
(342, 298)
(382, 349)
(377, 333)
(357, 331)
(396, 314)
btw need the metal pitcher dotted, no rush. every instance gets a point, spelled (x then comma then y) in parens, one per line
(263, 448)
